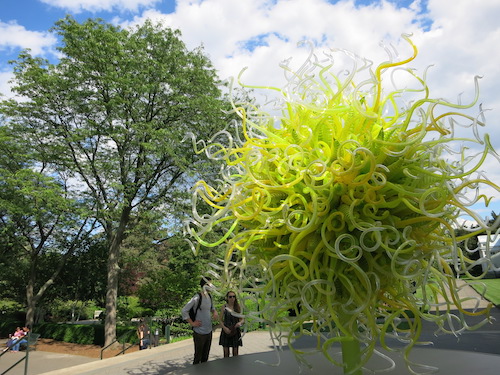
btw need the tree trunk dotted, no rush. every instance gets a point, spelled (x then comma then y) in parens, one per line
(111, 295)
(31, 297)
(113, 274)
(31, 303)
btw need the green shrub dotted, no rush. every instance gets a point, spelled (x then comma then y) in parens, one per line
(9, 308)
(8, 325)
(87, 334)
(65, 311)
(129, 307)
(180, 329)
(250, 305)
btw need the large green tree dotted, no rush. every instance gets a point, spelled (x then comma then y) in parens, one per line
(83, 277)
(112, 113)
(38, 217)
(171, 284)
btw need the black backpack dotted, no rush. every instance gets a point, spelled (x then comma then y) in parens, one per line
(193, 311)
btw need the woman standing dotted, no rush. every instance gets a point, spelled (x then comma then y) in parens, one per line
(143, 335)
(230, 336)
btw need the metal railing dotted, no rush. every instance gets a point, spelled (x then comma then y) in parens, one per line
(25, 358)
(123, 338)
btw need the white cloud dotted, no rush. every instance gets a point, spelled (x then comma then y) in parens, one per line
(78, 6)
(460, 41)
(459, 38)
(462, 44)
(227, 28)
(4, 84)
(13, 36)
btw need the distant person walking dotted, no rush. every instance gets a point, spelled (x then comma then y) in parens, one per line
(197, 312)
(143, 334)
(231, 321)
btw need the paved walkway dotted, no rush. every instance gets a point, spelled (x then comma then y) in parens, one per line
(156, 361)
(172, 358)
(176, 358)
(469, 297)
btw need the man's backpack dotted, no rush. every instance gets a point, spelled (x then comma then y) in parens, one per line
(193, 311)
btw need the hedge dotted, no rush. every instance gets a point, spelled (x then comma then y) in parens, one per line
(86, 334)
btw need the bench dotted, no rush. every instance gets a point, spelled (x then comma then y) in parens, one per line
(32, 341)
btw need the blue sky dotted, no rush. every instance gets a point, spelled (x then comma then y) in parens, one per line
(460, 38)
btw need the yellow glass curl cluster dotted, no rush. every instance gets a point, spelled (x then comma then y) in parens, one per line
(336, 215)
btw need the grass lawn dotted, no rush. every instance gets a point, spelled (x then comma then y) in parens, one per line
(492, 293)
(492, 289)
(179, 338)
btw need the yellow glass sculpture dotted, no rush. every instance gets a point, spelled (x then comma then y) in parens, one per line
(339, 215)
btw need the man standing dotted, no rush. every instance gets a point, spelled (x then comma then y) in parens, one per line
(197, 312)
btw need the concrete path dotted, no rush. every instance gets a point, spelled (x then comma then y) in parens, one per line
(172, 358)
(470, 299)
(176, 358)
(158, 361)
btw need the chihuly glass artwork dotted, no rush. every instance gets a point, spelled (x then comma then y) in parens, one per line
(339, 214)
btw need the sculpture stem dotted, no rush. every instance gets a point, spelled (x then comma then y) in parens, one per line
(351, 357)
